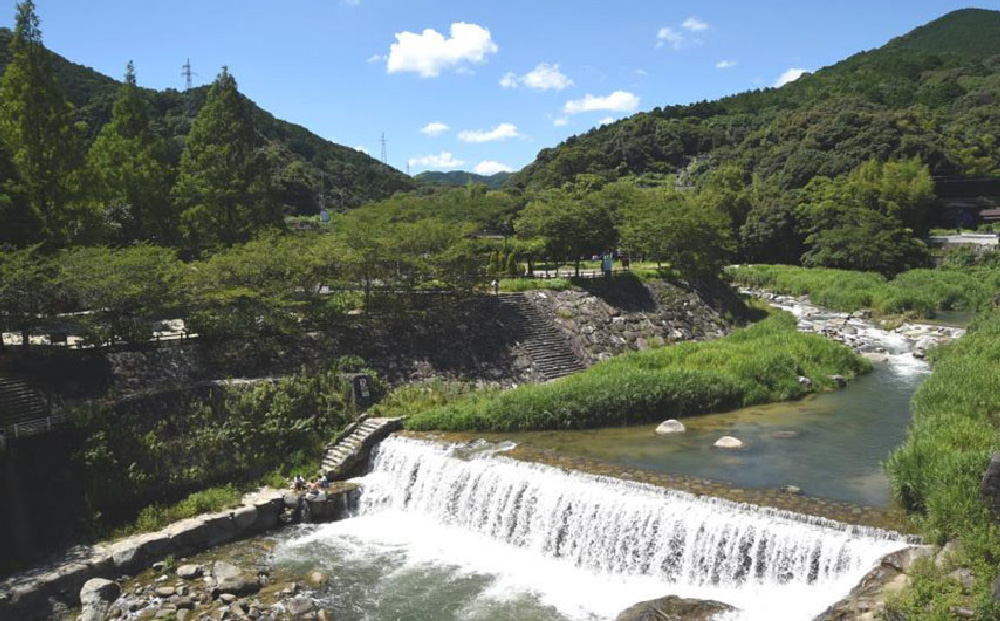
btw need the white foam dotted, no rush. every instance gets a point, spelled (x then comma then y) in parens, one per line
(592, 546)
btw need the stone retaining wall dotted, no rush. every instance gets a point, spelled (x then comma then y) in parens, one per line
(636, 316)
(55, 587)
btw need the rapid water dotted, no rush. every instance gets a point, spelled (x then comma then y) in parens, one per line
(513, 540)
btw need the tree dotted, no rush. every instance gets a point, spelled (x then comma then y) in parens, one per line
(128, 163)
(222, 187)
(668, 227)
(27, 291)
(35, 127)
(570, 228)
(867, 241)
(123, 288)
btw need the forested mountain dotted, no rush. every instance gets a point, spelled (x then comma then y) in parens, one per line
(302, 162)
(462, 177)
(933, 94)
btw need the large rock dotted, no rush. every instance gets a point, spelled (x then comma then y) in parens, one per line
(231, 579)
(189, 572)
(989, 489)
(729, 442)
(673, 609)
(671, 426)
(96, 598)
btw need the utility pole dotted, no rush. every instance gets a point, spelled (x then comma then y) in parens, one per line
(384, 152)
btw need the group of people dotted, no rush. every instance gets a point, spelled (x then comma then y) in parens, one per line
(314, 485)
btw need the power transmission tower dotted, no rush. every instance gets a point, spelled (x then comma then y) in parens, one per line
(187, 73)
(385, 158)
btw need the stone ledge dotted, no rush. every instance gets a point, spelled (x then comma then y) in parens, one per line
(43, 591)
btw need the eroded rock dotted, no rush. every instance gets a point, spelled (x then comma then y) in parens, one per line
(96, 598)
(729, 443)
(673, 608)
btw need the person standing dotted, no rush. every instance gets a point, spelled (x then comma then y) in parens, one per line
(607, 264)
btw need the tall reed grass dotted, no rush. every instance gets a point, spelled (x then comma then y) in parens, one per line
(758, 364)
(921, 292)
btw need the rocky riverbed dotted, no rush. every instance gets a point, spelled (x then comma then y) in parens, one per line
(906, 344)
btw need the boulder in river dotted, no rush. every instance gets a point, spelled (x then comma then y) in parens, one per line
(805, 383)
(231, 579)
(673, 608)
(729, 442)
(838, 380)
(189, 572)
(96, 598)
(669, 427)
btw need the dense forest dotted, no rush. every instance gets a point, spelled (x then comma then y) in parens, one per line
(462, 177)
(932, 94)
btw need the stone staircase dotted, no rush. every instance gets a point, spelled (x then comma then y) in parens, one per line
(353, 445)
(551, 354)
(23, 410)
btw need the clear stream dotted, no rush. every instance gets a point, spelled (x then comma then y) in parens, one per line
(451, 534)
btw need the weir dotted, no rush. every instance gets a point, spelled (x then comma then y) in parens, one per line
(748, 556)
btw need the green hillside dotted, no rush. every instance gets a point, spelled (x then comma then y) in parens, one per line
(459, 178)
(933, 94)
(302, 161)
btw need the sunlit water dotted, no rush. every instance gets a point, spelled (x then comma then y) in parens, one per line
(483, 537)
(447, 534)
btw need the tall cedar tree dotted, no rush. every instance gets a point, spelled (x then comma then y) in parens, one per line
(35, 126)
(222, 189)
(128, 163)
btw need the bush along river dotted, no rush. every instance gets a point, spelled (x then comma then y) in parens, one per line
(463, 531)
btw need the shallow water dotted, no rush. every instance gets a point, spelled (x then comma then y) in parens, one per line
(839, 441)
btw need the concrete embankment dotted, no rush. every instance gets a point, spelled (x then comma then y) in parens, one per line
(55, 587)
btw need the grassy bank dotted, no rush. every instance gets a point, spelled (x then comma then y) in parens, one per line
(758, 364)
(937, 472)
(920, 292)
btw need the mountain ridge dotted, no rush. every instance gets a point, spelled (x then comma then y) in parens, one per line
(303, 162)
(930, 93)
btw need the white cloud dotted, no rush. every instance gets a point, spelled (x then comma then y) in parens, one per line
(502, 131)
(434, 128)
(790, 75)
(429, 52)
(445, 161)
(375, 58)
(543, 77)
(694, 25)
(606, 121)
(726, 64)
(668, 35)
(362, 149)
(546, 77)
(560, 122)
(489, 167)
(618, 101)
(641, 73)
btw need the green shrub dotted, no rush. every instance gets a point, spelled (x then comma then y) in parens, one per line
(754, 365)
(155, 517)
(921, 291)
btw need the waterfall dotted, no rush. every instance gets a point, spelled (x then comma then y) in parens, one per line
(626, 530)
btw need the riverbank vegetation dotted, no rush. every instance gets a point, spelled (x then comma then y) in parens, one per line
(921, 293)
(936, 474)
(758, 364)
(154, 449)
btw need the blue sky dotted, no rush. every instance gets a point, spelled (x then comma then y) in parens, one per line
(489, 83)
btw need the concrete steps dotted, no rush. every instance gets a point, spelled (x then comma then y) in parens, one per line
(354, 444)
(23, 410)
(549, 349)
